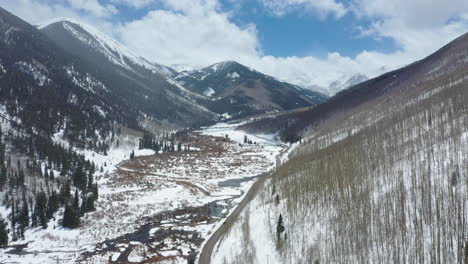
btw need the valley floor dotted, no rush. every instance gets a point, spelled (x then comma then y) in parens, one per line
(155, 207)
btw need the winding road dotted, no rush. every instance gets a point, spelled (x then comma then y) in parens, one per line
(207, 251)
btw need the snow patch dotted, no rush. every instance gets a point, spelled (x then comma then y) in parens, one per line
(34, 70)
(209, 92)
(233, 75)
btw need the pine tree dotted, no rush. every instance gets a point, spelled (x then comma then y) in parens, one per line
(23, 219)
(280, 226)
(3, 233)
(95, 192)
(79, 178)
(13, 219)
(277, 199)
(90, 180)
(132, 155)
(21, 178)
(41, 209)
(84, 205)
(76, 201)
(52, 205)
(46, 173)
(3, 176)
(90, 204)
(70, 217)
(64, 193)
(34, 218)
(466, 251)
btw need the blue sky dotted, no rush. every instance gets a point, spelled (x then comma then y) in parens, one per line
(304, 34)
(292, 34)
(306, 42)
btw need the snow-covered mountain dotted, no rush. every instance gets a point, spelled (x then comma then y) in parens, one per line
(220, 88)
(102, 44)
(346, 82)
(244, 90)
(147, 86)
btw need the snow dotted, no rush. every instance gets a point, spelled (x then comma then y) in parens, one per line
(221, 65)
(406, 156)
(2, 69)
(209, 92)
(226, 116)
(233, 75)
(181, 68)
(36, 72)
(113, 50)
(124, 203)
(99, 110)
(85, 81)
(223, 129)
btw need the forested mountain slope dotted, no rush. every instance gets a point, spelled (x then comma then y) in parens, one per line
(381, 177)
(49, 89)
(143, 86)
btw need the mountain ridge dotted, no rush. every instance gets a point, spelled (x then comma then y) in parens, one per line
(242, 87)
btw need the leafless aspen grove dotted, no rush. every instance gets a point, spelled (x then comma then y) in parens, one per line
(383, 182)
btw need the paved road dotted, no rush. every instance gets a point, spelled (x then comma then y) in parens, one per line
(207, 251)
(205, 255)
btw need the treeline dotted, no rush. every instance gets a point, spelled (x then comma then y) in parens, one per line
(167, 142)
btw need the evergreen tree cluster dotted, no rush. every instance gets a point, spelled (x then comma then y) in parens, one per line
(248, 141)
(3, 233)
(167, 143)
(34, 191)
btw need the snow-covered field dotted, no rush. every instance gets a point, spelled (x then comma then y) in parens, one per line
(168, 191)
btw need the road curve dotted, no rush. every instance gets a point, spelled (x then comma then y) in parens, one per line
(207, 251)
(205, 255)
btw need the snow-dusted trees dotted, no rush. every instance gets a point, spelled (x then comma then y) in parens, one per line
(3, 233)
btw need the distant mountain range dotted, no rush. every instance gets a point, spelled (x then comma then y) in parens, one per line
(238, 90)
(78, 67)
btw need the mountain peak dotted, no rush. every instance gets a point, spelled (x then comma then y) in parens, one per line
(96, 40)
(221, 66)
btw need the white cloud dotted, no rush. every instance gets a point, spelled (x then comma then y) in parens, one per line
(197, 34)
(94, 7)
(134, 3)
(191, 33)
(42, 12)
(321, 7)
(418, 27)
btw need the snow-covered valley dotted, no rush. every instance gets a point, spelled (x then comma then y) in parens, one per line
(155, 206)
